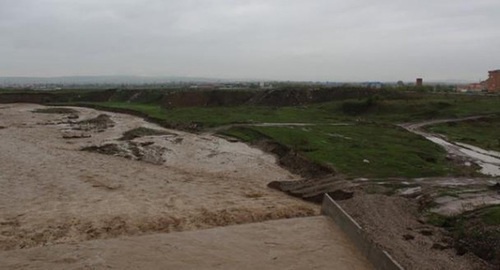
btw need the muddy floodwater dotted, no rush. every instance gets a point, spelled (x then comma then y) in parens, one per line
(54, 197)
(301, 243)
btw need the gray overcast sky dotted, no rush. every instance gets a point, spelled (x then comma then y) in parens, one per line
(335, 40)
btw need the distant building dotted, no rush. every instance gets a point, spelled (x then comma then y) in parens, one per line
(493, 82)
(419, 82)
(471, 88)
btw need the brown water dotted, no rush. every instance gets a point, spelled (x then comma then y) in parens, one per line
(51, 192)
(303, 243)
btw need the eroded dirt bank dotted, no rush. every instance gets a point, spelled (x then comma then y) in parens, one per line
(52, 192)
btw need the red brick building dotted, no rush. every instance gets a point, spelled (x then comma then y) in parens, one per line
(493, 82)
(419, 82)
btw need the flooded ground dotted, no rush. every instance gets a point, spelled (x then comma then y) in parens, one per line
(301, 243)
(52, 192)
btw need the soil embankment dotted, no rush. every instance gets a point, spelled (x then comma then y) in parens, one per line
(201, 98)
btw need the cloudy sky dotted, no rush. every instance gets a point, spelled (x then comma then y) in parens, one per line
(355, 40)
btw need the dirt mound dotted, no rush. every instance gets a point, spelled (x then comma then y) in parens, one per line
(414, 244)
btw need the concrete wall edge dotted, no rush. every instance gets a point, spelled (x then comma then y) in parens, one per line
(379, 258)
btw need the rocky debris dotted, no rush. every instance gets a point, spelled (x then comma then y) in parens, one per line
(340, 195)
(76, 135)
(440, 246)
(101, 122)
(495, 186)
(411, 192)
(111, 149)
(143, 144)
(73, 116)
(426, 232)
(147, 152)
(143, 131)
(408, 237)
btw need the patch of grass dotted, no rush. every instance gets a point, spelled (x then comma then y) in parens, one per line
(491, 215)
(441, 221)
(371, 151)
(244, 134)
(450, 193)
(56, 111)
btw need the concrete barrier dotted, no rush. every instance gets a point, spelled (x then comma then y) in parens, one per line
(380, 259)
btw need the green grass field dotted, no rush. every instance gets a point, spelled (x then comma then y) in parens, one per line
(484, 133)
(359, 150)
(387, 111)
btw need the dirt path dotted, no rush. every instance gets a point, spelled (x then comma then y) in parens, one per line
(51, 192)
(489, 161)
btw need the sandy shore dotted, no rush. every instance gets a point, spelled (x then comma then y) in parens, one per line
(51, 192)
